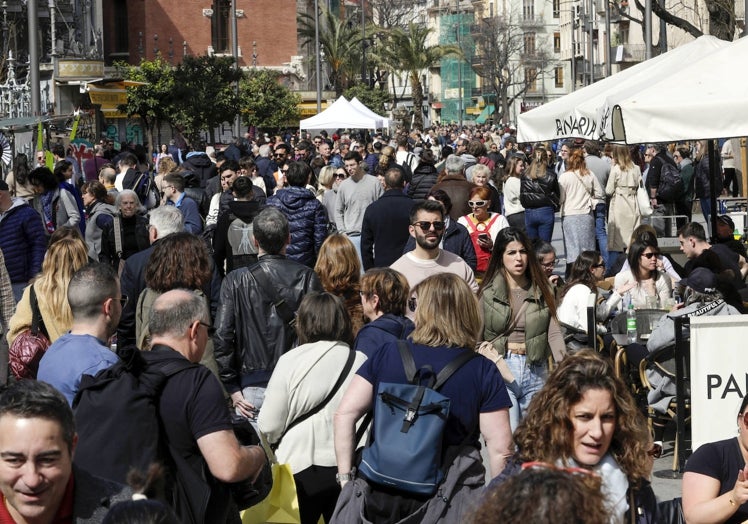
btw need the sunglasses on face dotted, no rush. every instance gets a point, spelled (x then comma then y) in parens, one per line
(649, 256)
(426, 225)
(476, 203)
(601, 264)
(340, 175)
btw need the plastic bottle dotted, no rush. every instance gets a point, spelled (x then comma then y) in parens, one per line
(631, 324)
(736, 234)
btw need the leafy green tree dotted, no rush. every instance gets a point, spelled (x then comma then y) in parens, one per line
(150, 101)
(374, 99)
(340, 41)
(406, 49)
(205, 95)
(266, 103)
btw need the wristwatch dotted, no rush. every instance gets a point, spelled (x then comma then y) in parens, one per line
(345, 477)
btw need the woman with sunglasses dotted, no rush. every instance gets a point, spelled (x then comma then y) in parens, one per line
(715, 484)
(586, 271)
(483, 226)
(585, 417)
(330, 198)
(519, 313)
(651, 286)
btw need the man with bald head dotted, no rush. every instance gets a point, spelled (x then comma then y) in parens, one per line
(193, 413)
(96, 302)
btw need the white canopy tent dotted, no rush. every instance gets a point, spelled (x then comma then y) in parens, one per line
(341, 114)
(708, 99)
(576, 115)
(355, 102)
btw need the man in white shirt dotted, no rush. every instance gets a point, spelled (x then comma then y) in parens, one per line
(427, 227)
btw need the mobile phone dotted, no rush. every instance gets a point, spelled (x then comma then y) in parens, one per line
(483, 237)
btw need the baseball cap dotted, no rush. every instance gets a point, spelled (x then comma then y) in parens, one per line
(727, 220)
(701, 280)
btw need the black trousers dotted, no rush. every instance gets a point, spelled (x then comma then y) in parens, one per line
(317, 492)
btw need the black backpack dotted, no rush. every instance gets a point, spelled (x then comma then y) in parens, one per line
(671, 184)
(116, 417)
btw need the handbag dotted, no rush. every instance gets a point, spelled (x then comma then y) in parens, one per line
(642, 200)
(245, 493)
(282, 505)
(29, 346)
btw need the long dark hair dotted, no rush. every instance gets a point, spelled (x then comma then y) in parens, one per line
(21, 169)
(581, 271)
(635, 254)
(534, 272)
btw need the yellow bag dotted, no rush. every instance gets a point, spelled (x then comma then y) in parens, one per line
(281, 506)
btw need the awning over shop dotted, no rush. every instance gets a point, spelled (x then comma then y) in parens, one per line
(487, 111)
(310, 108)
(109, 94)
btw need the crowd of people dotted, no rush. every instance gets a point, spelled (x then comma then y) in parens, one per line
(307, 274)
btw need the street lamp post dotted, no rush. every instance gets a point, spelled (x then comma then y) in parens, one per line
(317, 59)
(36, 98)
(235, 52)
(363, 41)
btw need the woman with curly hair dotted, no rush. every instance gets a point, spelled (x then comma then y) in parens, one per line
(586, 417)
(178, 261)
(64, 257)
(545, 494)
(339, 270)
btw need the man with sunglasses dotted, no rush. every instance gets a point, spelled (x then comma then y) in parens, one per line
(96, 303)
(427, 227)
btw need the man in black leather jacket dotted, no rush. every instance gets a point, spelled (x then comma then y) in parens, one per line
(255, 318)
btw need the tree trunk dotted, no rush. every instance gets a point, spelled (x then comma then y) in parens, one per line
(417, 93)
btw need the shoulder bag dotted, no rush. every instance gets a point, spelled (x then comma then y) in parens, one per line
(642, 200)
(29, 346)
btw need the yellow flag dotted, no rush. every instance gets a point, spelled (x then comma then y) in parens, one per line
(75, 125)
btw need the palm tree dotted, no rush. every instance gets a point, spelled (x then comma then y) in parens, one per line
(405, 49)
(340, 41)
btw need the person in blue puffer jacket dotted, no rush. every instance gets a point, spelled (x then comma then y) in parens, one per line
(306, 215)
(384, 297)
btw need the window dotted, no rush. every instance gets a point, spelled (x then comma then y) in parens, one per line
(529, 43)
(531, 79)
(120, 42)
(219, 28)
(528, 9)
(559, 75)
(556, 42)
(556, 8)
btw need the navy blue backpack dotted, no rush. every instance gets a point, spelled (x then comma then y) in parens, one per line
(409, 423)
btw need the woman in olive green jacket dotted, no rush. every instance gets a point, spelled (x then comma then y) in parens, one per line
(519, 314)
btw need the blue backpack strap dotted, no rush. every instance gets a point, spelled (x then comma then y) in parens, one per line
(452, 367)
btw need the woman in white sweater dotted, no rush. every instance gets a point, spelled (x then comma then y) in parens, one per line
(513, 210)
(302, 381)
(588, 269)
(579, 188)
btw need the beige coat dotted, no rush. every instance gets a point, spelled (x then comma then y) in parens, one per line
(623, 211)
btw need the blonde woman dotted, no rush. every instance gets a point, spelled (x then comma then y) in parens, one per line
(623, 211)
(64, 257)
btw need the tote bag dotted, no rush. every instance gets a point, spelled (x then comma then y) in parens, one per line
(642, 200)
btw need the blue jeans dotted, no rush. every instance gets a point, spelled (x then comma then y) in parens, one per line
(539, 223)
(601, 234)
(706, 210)
(255, 396)
(528, 380)
(356, 241)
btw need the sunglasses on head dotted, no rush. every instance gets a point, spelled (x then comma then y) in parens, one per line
(649, 255)
(426, 225)
(476, 203)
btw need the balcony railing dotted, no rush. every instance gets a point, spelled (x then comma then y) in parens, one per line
(532, 21)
